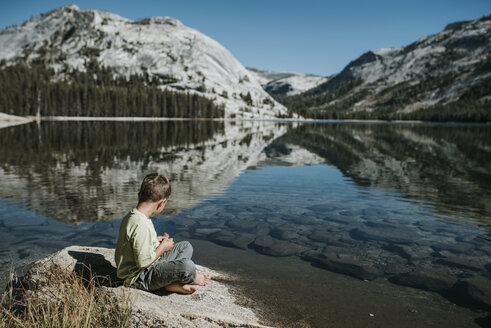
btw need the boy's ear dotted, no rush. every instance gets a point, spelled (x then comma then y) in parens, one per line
(160, 205)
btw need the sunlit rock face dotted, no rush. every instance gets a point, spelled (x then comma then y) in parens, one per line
(179, 57)
(83, 176)
(286, 83)
(450, 67)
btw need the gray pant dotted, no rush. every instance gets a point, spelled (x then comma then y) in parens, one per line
(174, 266)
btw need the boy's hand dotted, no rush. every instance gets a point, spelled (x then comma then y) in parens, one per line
(160, 238)
(167, 243)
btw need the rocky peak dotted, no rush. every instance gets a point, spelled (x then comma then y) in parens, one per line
(180, 57)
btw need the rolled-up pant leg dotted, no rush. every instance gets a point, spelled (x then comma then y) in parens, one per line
(174, 266)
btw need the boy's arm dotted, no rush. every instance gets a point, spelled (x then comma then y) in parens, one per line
(165, 245)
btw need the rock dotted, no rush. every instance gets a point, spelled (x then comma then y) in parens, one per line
(344, 263)
(242, 225)
(243, 241)
(455, 247)
(263, 241)
(326, 237)
(274, 247)
(341, 219)
(396, 269)
(460, 263)
(478, 290)
(210, 306)
(488, 267)
(284, 234)
(395, 236)
(228, 239)
(428, 279)
(401, 250)
(206, 231)
(261, 229)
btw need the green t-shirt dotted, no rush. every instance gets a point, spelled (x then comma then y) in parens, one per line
(137, 241)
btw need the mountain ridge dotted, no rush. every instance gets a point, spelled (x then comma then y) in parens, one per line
(432, 78)
(286, 83)
(179, 57)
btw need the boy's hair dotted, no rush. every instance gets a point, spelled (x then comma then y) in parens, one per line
(154, 187)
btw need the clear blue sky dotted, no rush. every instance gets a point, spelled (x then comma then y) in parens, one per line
(309, 36)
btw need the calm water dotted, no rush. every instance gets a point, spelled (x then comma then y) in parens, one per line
(372, 201)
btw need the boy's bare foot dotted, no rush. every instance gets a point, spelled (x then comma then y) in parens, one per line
(181, 289)
(202, 279)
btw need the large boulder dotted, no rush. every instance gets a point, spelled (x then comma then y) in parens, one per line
(211, 306)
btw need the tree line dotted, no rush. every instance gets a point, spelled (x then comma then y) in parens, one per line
(35, 88)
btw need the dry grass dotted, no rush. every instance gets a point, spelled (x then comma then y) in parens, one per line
(69, 300)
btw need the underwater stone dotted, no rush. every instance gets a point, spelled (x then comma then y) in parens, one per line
(284, 234)
(478, 289)
(426, 278)
(344, 263)
(386, 235)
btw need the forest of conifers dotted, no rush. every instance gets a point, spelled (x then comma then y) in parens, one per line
(28, 89)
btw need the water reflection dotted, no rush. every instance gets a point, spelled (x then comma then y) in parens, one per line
(449, 167)
(405, 202)
(89, 171)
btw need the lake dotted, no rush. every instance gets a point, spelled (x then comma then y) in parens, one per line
(326, 222)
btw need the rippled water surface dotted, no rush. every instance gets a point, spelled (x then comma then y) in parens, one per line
(406, 203)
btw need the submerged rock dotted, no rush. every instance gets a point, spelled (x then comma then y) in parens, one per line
(274, 247)
(428, 279)
(230, 239)
(210, 306)
(393, 236)
(344, 263)
(476, 290)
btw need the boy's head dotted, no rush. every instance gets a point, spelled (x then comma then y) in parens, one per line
(155, 187)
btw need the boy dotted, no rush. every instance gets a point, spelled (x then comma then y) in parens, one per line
(148, 261)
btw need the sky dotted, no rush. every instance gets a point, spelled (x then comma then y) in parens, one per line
(307, 36)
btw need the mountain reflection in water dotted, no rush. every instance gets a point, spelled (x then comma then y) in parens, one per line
(445, 165)
(89, 171)
(368, 200)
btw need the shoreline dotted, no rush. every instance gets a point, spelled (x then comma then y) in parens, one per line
(231, 307)
(274, 289)
(279, 120)
(289, 292)
(7, 120)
